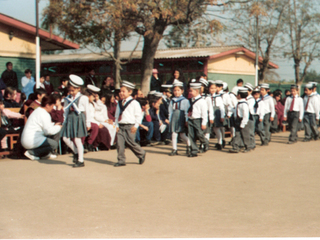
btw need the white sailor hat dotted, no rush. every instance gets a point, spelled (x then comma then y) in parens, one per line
(220, 82)
(75, 80)
(174, 81)
(309, 85)
(211, 82)
(128, 84)
(177, 83)
(264, 85)
(193, 80)
(235, 90)
(195, 85)
(203, 81)
(166, 85)
(93, 88)
(256, 89)
(158, 94)
(242, 90)
(152, 92)
(225, 85)
(314, 83)
(249, 86)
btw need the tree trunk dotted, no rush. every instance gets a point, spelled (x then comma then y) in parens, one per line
(150, 45)
(297, 73)
(116, 64)
(263, 70)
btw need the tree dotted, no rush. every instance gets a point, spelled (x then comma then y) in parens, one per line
(97, 25)
(268, 15)
(302, 25)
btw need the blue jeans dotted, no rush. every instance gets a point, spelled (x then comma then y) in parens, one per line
(149, 133)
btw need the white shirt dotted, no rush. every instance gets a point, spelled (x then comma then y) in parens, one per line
(38, 126)
(131, 115)
(251, 102)
(210, 108)
(297, 106)
(200, 110)
(269, 105)
(313, 105)
(227, 103)
(234, 102)
(260, 109)
(217, 101)
(243, 112)
(101, 112)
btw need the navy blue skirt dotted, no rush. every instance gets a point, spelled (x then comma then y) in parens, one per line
(74, 126)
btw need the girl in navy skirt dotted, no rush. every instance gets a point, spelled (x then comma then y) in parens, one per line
(178, 116)
(76, 122)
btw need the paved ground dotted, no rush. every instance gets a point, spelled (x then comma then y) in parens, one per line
(270, 192)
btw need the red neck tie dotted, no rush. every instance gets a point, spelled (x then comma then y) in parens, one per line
(123, 102)
(307, 103)
(292, 104)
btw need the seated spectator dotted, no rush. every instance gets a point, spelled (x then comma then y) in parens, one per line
(7, 125)
(42, 86)
(63, 88)
(146, 126)
(9, 98)
(287, 93)
(40, 93)
(37, 136)
(111, 106)
(32, 97)
(47, 84)
(116, 95)
(107, 86)
(160, 128)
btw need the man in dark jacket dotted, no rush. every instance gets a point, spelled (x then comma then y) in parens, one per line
(91, 79)
(155, 83)
(9, 76)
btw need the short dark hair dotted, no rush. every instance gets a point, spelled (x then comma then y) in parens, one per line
(48, 100)
(63, 79)
(134, 92)
(8, 63)
(239, 81)
(142, 101)
(27, 71)
(56, 96)
(243, 94)
(40, 91)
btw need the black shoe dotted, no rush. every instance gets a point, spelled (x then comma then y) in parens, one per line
(246, 150)
(119, 164)
(75, 158)
(265, 144)
(91, 148)
(167, 142)
(148, 144)
(192, 155)
(173, 153)
(219, 146)
(78, 164)
(205, 147)
(223, 143)
(316, 138)
(188, 150)
(161, 143)
(142, 159)
(233, 151)
(306, 140)
(291, 142)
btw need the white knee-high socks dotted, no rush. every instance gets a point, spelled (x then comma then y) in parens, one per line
(76, 147)
(218, 133)
(175, 139)
(207, 136)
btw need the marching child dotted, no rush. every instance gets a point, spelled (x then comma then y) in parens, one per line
(128, 118)
(241, 123)
(178, 117)
(293, 112)
(258, 115)
(269, 112)
(197, 119)
(311, 115)
(76, 119)
(251, 102)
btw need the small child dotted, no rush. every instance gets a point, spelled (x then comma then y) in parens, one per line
(76, 119)
(311, 115)
(9, 98)
(251, 102)
(178, 117)
(128, 118)
(241, 123)
(258, 115)
(40, 93)
(146, 124)
(197, 119)
(269, 112)
(293, 111)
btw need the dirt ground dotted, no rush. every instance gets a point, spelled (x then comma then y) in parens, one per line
(270, 192)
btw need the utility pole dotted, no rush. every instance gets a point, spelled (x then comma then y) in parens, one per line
(37, 46)
(257, 50)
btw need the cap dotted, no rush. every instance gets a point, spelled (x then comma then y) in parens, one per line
(152, 92)
(211, 82)
(264, 85)
(166, 85)
(128, 84)
(177, 83)
(294, 86)
(309, 85)
(193, 80)
(158, 94)
(256, 89)
(75, 80)
(154, 71)
(225, 85)
(242, 90)
(249, 86)
(195, 85)
(93, 88)
(314, 83)
(203, 81)
(220, 82)
(235, 90)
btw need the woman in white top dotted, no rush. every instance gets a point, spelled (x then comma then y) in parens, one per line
(35, 136)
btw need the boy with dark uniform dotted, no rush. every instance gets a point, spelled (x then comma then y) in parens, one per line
(269, 112)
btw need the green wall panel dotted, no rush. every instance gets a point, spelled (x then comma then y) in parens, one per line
(231, 79)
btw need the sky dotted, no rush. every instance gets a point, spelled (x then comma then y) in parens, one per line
(24, 10)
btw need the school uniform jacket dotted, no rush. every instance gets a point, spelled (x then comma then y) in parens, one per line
(251, 102)
(199, 110)
(164, 108)
(227, 103)
(269, 105)
(313, 105)
(131, 115)
(210, 107)
(232, 106)
(297, 107)
(184, 106)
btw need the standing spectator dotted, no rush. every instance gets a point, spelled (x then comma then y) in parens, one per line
(108, 85)
(48, 85)
(239, 82)
(155, 83)
(9, 76)
(27, 83)
(91, 79)
(178, 75)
